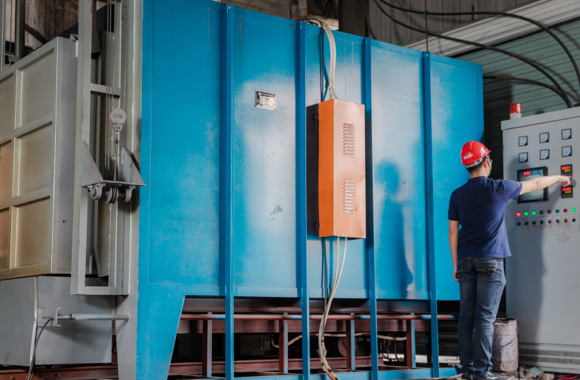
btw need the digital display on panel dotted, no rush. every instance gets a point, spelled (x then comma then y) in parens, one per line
(566, 169)
(529, 174)
(566, 192)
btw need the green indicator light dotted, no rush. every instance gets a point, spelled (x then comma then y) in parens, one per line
(526, 213)
(541, 212)
(533, 213)
(557, 211)
(573, 209)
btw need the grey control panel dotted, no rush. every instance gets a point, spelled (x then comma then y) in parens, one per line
(544, 232)
(534, 148)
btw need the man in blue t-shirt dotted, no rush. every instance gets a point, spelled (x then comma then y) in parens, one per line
(478, 250)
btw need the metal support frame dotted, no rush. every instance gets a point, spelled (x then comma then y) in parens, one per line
(427, 126)
(314, 317)
(283, 345)
(410, 347)
(350, 346)
(86, 136)
(370, 249)
(207, 348)
(226, 192)
(301, 215)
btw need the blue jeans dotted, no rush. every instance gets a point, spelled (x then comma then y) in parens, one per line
(481, 283)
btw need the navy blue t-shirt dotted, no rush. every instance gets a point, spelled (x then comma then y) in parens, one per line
(479, 206)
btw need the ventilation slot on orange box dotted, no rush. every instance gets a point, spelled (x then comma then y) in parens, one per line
(349, 206)
(341, 169)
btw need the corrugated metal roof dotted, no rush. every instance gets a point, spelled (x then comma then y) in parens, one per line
(498, 94)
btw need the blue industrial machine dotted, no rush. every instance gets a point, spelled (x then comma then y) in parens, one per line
(229, 209)
(223, 238)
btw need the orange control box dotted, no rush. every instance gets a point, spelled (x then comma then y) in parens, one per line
(341, 169)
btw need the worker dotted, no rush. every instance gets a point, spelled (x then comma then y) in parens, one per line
(478, 250)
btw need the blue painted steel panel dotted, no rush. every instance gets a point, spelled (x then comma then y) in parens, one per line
(457, 117)
(184, 149)
(398, 167)
(274, 249)
(264, 157)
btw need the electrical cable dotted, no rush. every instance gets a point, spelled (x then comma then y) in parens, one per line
(337, 276)
(496, 13)
(331, 91)
(368, 24)
(324, 272)
(370, 29)
(484, 46)
(523, 80)
(37, 338)
(568, 377)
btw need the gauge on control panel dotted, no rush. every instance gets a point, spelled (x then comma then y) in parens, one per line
(566, 134)
(523, 157)
(566, 169)
(522, 141)
(544, 137)
(544, 154)
(567, 192)
(566, 151)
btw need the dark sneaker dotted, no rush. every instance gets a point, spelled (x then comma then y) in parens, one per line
(491, 376)
(467, 376)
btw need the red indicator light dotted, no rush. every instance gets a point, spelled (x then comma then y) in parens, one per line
(549, 211)
(518, 214)
(566, 167)
(527, 172)
(567, 189)
(565, 210)
(515, 108)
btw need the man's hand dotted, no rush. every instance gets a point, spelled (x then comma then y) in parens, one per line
(455, 274)
(540, 183)
(565, 180)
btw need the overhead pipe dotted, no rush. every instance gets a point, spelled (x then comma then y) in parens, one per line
(94, 317)
(20, 21)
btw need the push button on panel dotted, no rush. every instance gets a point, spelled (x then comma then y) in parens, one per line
(566, 151)
(566, 134)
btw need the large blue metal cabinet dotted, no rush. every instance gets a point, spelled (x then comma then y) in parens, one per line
(226, 211)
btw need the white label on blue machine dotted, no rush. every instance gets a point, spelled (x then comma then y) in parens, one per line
(265, 100)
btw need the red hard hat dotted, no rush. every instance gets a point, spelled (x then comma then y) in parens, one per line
(473, 153)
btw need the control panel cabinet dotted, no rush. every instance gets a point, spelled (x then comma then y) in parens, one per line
(543, 288)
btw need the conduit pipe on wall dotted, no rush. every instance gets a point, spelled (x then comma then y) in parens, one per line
(20, 21)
